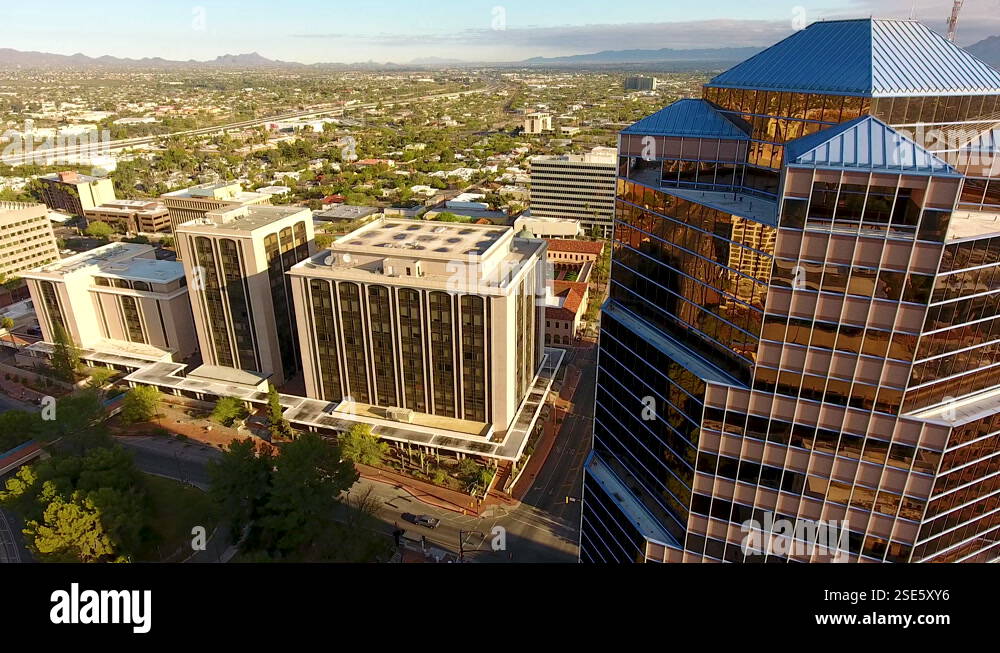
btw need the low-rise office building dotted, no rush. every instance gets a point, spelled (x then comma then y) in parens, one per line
(235, 260)
(131, 216)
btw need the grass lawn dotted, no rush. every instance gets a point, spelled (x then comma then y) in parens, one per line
(177, 508)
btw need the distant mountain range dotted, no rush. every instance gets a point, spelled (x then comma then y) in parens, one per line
(253, 60)
(988, 50)
(665, 55)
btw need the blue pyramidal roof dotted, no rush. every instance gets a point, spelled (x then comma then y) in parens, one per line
(865, 143)
(690, 117)
(868, 57)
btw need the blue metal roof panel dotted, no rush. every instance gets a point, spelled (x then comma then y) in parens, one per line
(691, 118)
(865, 143)
(910, 58)
(867, 57)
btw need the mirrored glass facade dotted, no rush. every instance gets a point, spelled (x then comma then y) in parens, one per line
(811, 338)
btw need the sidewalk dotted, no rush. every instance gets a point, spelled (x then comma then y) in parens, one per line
(432, 494)
(545, 443)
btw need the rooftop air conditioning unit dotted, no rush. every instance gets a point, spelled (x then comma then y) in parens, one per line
(398, 414)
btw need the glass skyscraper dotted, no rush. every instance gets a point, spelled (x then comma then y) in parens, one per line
(800, 324)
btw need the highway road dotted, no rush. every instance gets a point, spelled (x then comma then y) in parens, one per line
(320, 110)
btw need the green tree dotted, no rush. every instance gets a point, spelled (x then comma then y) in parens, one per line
(360, 445)
(99, 230)
(17, 427)
(70, 531)
(323, 241)
(279, 427)
(140, 404)
(228, 409)
(65, 354)
(7, 324)
(241, 481)
(308, 479)
(99, 377)
(474, 475)
(82, 508)
(78, 421)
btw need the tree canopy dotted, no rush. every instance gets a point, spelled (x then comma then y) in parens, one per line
(65, 354)
(360, 445)
(140, 404)
(228, 409)
(288, 501)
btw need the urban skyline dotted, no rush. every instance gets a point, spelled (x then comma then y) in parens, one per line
(725, 311)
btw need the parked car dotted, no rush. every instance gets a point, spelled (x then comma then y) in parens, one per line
(421, 520)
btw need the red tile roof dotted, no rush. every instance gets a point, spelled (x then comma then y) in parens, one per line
(573, 292)
(594, 247)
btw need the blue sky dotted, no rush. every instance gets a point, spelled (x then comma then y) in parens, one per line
(398, 30)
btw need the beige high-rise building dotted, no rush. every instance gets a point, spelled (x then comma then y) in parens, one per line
(26, 238)
(75, 193)
(576, 186)
(536, 123)
(404, 319)
(191, 203)
(116, 297)
(235, 260)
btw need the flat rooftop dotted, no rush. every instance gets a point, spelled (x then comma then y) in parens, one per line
(201, 190)
(418, 238)
(76, 179)
(346, 212)
(101, 256)
(483, 259)
(143, 269)
(244, 218)
(7, 207)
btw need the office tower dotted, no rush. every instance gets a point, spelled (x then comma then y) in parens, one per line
(235, 260)
(802, 305)
(639, 83)
(75, 193)
(192, 203)
(537, 122)
(413, 315)
(26, 238)
(131, 216)
(118, 297)
(576, 186)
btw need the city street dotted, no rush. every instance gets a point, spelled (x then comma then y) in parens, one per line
(544, 527)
